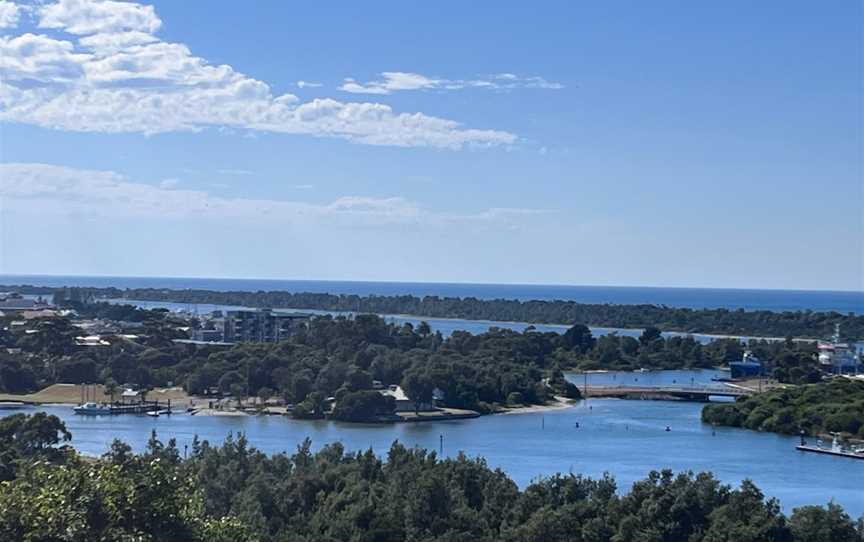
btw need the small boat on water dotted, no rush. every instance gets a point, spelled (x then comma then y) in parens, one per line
(92, 409)
(11, 405)
(157, 413)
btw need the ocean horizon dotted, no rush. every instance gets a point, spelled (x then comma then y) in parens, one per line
(685, 297)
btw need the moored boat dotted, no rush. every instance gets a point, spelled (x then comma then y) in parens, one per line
(92, 409)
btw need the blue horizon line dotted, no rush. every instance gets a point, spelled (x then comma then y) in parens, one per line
(435, 283)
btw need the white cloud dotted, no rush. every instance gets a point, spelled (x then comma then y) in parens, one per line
(113, 74)
(9, 14)
(115, 42)
(29, 58)
(233, 172)
(398, 81)
(308, 84)
(99, 17)
(58, 190)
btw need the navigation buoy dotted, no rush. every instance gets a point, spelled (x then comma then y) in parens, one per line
(668, 428)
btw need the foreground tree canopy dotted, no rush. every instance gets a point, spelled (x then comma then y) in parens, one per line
(234, 493)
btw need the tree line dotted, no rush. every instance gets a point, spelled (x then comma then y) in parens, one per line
(233, 492)
(763, 323)
(337, 356)
(328, 357)
(834, 406)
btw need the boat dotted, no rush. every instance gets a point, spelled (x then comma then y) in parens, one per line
(11, 405)
(157, 413)
(92, 409)
(838, 357)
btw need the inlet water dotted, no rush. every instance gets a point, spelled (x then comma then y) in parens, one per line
(624, 438)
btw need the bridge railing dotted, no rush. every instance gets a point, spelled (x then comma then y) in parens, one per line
(677, 389)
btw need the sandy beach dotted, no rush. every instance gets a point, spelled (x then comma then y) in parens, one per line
(558, 404)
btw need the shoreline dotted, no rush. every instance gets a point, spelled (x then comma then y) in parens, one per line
(559, 403)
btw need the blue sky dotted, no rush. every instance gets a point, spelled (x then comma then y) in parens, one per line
(614, 143)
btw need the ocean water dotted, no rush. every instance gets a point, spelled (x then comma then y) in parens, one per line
(696, 298)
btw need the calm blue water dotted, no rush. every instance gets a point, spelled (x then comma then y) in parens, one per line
(777, 300)
(687, 378)
(624, 438)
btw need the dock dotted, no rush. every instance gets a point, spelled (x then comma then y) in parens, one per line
(142, 407)
(829, 451)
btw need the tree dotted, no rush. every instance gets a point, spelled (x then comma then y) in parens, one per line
(357, 380)
(578, 338)
(515, 399)
(365, 405)
(238, 391)
(110, 388)
(818, 524)
(25, 436)
(418, 386)
(229, 380)
(265, 394)
(423, 329)
(649, 335)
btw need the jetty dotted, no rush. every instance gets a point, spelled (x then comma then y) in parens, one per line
(839, 453)
(111, 409)
(681, 393)
(837, 449)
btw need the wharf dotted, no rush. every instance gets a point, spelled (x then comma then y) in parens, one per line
(829, 451)
(143, 407)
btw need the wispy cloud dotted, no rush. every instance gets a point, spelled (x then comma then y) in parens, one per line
(391, 82)
(45, 188)
(104, 69)
(308, 84)
(233, 172)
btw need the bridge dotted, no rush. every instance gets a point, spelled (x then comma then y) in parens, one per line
(692, 393)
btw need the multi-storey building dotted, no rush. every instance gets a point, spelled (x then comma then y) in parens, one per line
(262, 325)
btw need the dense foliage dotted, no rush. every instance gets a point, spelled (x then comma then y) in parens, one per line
(721, 321)
(235, 493)
(833, 406)
(332, 356)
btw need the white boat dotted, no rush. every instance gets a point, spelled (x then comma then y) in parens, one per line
(10, 405)
(92, 409)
